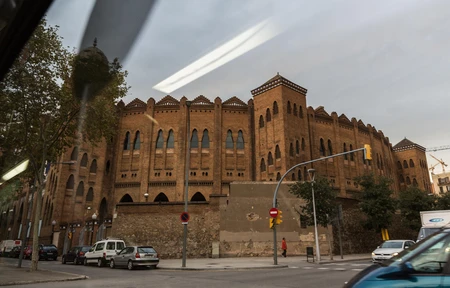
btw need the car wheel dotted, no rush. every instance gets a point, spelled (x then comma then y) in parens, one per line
(63, 260)
(85, 262)
(75, 261)
(56, 258)
(112, 265)
(100, 262)
(130, 265)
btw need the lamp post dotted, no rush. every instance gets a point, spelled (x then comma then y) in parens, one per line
(146, 196)
(94, 217)
(53, 229)
(312, 175)
(9, 232)
(186, 181)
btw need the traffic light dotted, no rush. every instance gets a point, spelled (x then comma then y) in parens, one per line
(367, 152)
(69, 235)
(271, 223)
(279, 216)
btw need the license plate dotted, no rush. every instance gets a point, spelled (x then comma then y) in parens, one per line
(149, 255)
(49, 253)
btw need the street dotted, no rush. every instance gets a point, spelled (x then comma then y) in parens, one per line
(299, 274)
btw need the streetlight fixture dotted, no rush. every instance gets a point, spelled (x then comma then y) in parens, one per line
(186, 181)
(53, 229)
(94, 217)
(9, 232)
(312, 174)
(146, 196)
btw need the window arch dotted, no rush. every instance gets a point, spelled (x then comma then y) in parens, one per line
(160, 140)
(415, 182)
(322, 147)
(194, 139)
(74, 155)
(411, 163)
(126, 141)
(170, 140)
(405, 164)
(293, 177)
(277, 152)
(399, 165)
(205, 139)
(330, 147)
(93, 168)
(80, 189)
(161, 197)
(291, 150)
(137, 141)
(278, 176)
(408, 180)
(262, 166)
(126, 199)
(240, 140)
(70, 182)
(84, 160)
(305, 173)
(198, 197)
(378, 161)
(299, 175)
(261, 121)
(268, 117)
(90, 194)
(297, 147)
(295, 109)
(270, 159)
(345, 150)
(289, 107)
(352, 156)
(300, 112)
(229, 143)
(303, 144)
(275, 108)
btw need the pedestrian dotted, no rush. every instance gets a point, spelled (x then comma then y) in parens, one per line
(283, 247)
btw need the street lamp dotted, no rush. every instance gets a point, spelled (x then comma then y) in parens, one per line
(186, 181)
(9, 232)
(94, 217)
(146, 196)
(53, 229)
(312, 174)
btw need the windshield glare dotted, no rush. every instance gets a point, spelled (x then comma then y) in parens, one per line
(392, 244)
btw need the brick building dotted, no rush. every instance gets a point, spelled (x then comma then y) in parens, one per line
(230, 141)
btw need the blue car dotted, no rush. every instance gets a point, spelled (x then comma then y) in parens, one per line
(425, 264)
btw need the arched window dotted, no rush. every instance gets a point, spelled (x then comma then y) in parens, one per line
(291, 150)
(170, 140)
(408, 180)
(205, 139)
(262, 166)
(378, 161)
(90, 194)
(330, 148)
(108, 166)
(80, 189)
(268, 117)
(160, 140)
(240, 140)
(322, 147)
(161, 197)
(198, 197)
(229, 143)
(299, 175)
(137, 141)
(261, 121)
(84, 160)
(293, 177)
(93, 168)
(275, 108)
(399, 165)
(270, 159)
(411, 163)
(74, 155)
(70, 182)
(295, 109)
(405, 164)
(300, 112)
(303, 144)
(289, 107)
(352, 156)
(415, 182)
(126, 199)
(305, 173)
(297, 147)
(277, 152)
(126, 142)
(345, 150)
(194, 139)
(278, 176)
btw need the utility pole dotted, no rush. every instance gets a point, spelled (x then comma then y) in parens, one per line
(186, 181)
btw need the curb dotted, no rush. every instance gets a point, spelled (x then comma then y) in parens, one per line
(344, 260)
(222, 268)
(81, 277)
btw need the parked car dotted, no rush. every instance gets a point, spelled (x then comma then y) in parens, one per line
(135, 256)
(424, 264)
(15, 252)
(48, 252)
(7, 245)
(390, 249)
(75, 255)
(102, 251)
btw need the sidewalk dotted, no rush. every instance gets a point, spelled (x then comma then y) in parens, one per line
(11, 275)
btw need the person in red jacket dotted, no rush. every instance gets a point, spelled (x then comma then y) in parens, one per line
(283, 247)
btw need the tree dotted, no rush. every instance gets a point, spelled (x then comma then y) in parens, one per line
(442, 202)
(411, 201)
(43, 116)
(376, 201)
(325, 200)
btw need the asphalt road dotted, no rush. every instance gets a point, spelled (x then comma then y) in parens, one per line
(299, 274)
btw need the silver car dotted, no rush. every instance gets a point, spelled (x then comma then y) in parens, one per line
(390, 249)
(135, 256)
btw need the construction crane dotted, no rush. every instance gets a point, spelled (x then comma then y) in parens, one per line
(440, 162)
(439, 148)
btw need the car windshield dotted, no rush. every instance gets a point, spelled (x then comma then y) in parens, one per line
(85, 249)
(146, 250)
(392, 244)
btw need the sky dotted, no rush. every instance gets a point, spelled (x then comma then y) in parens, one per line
(385, 62)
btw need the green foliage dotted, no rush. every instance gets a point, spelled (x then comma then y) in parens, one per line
(325, 199)
(442, 202)
(376, 201)
(411, 201)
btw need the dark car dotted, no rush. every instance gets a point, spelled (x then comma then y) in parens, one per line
(15, 252)
(75, 255)
(48, 252)
(27, 252)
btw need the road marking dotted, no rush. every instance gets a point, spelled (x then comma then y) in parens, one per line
(307, 267)
(357, 269)
(323, 268)
(339, 269)
(293, 267)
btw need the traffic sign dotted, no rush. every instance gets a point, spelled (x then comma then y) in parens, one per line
(273, 212)
(184, 218)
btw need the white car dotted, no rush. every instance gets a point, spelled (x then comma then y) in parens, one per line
(390, 249)
(102, 251)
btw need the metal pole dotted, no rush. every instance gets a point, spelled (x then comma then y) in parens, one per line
(275, 250)
(186, 181)
(340, 238)
(315, 223)
(26, 226)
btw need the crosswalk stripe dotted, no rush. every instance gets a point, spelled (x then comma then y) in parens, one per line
(323, 268)
(357, 269)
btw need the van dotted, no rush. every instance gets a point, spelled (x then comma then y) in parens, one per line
(8, 245)
(102, 251)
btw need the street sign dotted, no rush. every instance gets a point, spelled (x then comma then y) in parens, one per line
(273, 212)
(184, 218)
